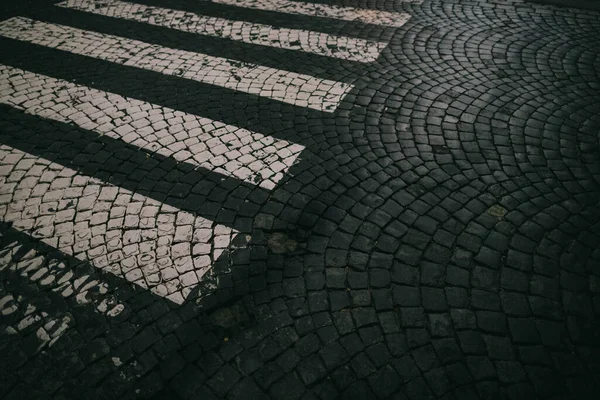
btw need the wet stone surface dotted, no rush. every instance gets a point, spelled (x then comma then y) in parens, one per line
(270, 199)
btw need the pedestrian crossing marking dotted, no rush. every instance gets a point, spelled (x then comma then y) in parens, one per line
(341, 47)
(383, 18)
(142, 240)
(225, 149)
(298, 89)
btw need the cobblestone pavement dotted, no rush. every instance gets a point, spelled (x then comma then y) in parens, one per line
(252, 199)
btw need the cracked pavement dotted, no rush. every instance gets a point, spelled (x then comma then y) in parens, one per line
(275, 199)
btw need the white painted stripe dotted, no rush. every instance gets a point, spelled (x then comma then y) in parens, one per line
(226, 149)
(376, 17)
(150, 244)
(265, 35)
(51, 273)
(289, 87)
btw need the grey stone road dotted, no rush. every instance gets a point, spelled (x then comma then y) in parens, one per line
(274, 199)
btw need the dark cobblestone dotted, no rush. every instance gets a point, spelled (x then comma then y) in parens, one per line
(434, 234)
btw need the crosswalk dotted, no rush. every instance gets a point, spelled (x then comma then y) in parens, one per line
(226, 149)
(341, 47)
(129, 235)
(142, 240)
(375, 17)
(289, 87)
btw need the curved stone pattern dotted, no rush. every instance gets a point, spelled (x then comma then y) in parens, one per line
(439, 237)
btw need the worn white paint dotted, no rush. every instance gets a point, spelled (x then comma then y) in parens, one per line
(150, 244)
(289, 87)
(226, 149)
(384, 18)
(341, 47)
